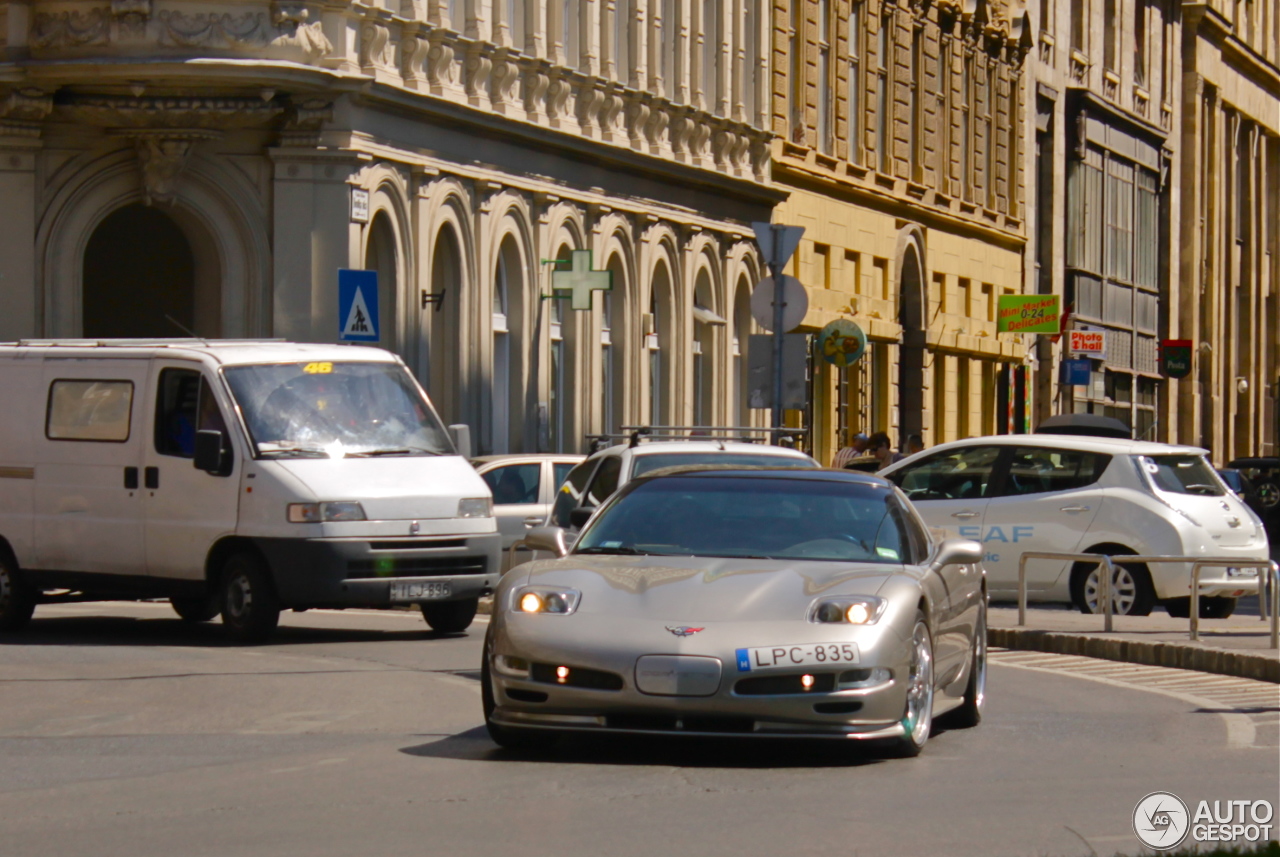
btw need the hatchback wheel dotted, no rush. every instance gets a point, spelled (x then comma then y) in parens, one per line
(1132, 593)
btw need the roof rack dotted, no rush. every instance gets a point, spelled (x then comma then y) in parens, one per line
(743, 434)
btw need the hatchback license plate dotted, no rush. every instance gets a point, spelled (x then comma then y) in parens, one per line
(419, 591)
(810, 654)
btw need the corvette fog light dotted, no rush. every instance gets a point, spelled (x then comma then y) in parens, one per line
(858, 613)
(562, 674)
(531, 602)
(806, 681)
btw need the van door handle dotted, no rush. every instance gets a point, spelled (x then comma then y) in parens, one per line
(967, 513)
(1074, 509)
(131, 478)
(151, 477)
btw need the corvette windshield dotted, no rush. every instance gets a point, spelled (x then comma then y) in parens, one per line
(763, 518)
(336, 410)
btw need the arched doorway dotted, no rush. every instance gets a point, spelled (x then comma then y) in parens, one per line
(508, 392)
(661, 345)
(705, 345)
(444, 362)
(739, 346)
(911, 352)
(140, 279)
(614, 340)
(380, 255)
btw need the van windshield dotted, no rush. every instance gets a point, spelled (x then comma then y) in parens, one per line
(336, 410)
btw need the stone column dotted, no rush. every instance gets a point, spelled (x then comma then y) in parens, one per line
(20, 117)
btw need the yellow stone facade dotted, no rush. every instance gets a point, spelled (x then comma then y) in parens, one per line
(906, 233)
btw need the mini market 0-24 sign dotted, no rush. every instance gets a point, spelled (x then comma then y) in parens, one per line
(1028, 314)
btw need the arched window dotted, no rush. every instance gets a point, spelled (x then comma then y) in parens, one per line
(380, 255)
(502, 368)
(705, 322)
(741, 341)
(660, 343)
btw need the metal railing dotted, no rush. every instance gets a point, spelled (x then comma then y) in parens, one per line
(1268, 583)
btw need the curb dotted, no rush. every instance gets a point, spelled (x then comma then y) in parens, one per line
(1177, 655)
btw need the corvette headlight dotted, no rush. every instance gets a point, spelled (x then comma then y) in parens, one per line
(850, 610)
(545, 599)
(475, 507)
(315, 513)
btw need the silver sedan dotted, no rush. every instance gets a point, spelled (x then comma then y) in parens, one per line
(766, 602)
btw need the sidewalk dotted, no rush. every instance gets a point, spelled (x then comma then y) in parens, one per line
(1237, 646)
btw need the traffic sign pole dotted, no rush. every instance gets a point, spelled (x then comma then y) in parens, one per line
(777, 242)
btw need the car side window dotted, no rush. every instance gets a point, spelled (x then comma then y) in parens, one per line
(955, 474)
(605, 482)
(570, 492)
(561, 471)
(514, 483)
(917, 536)
(1040, 470)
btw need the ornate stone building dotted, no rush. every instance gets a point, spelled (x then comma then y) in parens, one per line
(898, 134)
(1103, 150)
(1229, 300)
(211, 164)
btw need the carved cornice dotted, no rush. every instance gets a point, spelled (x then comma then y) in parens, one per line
(188, 112)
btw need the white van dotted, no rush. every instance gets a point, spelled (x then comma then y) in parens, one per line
(239, 478)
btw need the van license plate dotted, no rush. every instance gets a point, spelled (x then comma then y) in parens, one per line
(420, 591)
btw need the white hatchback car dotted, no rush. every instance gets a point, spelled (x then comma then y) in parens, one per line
(1070, 494)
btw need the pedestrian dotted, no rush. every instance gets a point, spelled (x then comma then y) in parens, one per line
(915, 443)
(857, 446)
(881, 447)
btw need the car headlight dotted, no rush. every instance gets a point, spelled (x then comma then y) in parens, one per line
(475, 507)
(555, 600)
(850, 610)
(315, 513)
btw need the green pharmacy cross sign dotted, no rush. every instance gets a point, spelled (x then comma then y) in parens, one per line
(580, 280)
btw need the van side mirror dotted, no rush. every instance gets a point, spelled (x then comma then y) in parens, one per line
(212, 455)
(460, 433)
(546, 539)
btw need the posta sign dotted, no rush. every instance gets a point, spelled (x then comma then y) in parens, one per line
(1029, 314)
(1088, 342)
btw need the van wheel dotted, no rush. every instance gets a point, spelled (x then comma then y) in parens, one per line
(250, 607)
(1131, 589)
(196, 609)
(450, 617)
(17, 601)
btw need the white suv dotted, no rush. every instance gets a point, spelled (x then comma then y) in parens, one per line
(1018, 493)
(594, 480)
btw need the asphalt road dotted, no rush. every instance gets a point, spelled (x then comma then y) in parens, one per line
(126, 732)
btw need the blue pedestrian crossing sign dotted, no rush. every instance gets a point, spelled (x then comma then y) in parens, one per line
(357, 305)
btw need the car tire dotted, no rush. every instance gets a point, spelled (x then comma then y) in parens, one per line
(17, 600)
(450, 617)
(196, 609)
(504, 736)
(1217, 607)
(917, 718)
(1132, 590)
(248, 601)
(969, 714)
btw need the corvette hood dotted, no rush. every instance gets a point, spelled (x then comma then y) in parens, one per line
(699, 589)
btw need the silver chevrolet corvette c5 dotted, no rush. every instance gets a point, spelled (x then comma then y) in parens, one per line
(753, 601)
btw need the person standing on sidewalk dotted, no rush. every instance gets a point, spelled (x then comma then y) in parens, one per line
(856, 447)
(881, 447)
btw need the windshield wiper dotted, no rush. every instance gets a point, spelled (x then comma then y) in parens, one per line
(396, 450)
(295, 452)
